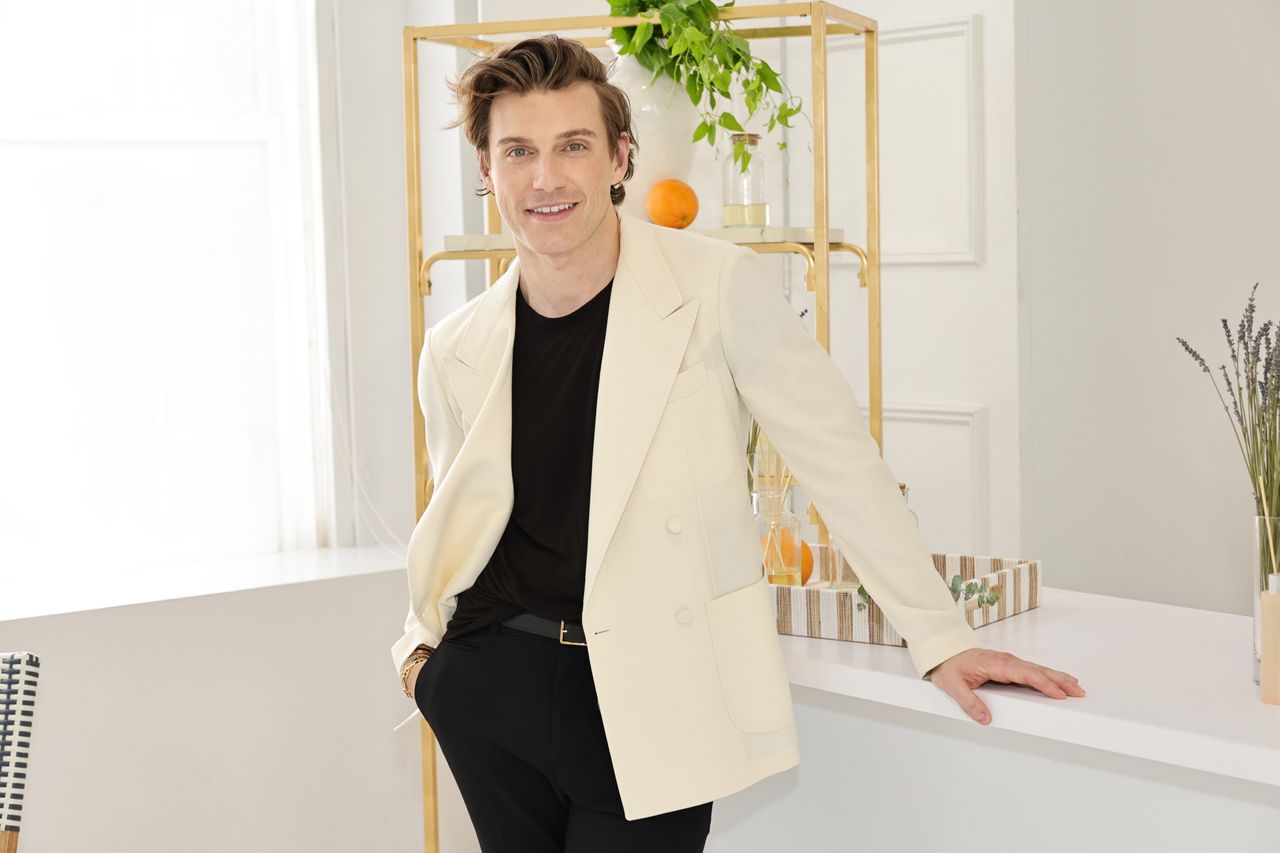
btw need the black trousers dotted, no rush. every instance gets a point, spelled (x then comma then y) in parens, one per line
(518, 722)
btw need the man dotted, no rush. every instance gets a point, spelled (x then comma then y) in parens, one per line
(587, 572)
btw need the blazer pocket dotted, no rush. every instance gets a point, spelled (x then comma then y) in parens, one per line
(687, 381)
(753, 675)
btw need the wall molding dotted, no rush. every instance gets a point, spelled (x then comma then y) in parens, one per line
(972, 418)
(971, 251)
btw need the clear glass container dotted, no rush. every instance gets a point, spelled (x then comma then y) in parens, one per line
(1265, 568)
(779, 532)
(744, 192)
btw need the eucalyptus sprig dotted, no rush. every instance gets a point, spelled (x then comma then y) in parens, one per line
(684, 40)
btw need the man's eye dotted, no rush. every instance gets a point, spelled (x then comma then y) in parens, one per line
(577, 143)
(514, 150)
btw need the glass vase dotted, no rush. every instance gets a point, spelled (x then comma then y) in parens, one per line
(779, 532)
(1266, 574)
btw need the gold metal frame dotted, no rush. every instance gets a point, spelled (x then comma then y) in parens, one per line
(823, 19)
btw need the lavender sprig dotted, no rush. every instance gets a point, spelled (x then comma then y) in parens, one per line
(1255, 399)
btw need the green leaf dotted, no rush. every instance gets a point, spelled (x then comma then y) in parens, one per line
(711, 134)
(672, 14)
(694, 87)
(769, 78)
(782, 146)
(753, 98)
(728, 121)
(643, 33)
(700, 131)
(721, 50)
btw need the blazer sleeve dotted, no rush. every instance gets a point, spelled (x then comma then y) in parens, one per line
(444, 438)
(806, 407)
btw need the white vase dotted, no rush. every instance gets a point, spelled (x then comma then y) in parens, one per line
(664, 120)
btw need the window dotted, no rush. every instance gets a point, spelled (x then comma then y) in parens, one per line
(164, 390)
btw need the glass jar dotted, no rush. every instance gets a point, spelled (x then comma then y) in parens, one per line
(744, 199)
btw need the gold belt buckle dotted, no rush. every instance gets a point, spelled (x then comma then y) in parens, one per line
(565, 642)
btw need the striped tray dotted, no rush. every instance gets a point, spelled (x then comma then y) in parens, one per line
(834, 614)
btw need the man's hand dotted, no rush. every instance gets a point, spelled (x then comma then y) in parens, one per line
(413, 677)
(958, 675)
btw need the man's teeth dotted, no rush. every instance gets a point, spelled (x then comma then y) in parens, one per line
(555, 209)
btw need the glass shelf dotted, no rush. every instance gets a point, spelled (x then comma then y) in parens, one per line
(744, 234)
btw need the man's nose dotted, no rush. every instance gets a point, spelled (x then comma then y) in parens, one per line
(547, 174)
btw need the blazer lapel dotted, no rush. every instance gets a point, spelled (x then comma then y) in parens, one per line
(645, 340)
(646, 335)
(479, 369)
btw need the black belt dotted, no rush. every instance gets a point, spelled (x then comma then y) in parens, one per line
(568, 633)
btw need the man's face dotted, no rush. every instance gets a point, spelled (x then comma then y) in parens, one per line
(548, 149)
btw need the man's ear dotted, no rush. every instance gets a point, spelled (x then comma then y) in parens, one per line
(624, 159)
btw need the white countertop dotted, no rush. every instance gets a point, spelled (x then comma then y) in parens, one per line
(1165, 683)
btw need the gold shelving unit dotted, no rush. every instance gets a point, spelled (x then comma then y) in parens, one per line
(814, 245)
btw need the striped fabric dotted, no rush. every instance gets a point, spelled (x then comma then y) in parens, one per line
(833, 614)
(19, 672)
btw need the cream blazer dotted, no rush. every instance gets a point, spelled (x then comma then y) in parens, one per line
(680, 630)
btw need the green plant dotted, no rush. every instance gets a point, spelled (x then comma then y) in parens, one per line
(685, 40)
(971, 589)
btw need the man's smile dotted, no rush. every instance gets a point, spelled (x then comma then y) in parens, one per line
(552, 212)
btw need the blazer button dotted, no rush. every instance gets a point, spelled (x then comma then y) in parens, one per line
(683, 616)
(674, 525)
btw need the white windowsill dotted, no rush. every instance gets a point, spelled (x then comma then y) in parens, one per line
(41, 592)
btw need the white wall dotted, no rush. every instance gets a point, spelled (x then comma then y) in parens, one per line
(949, 255)
(257, 721)
(1153, 181)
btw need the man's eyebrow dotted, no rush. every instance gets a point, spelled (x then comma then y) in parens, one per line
(577, 131)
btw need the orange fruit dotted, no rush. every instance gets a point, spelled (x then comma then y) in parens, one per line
(787, 546)
(672, 203)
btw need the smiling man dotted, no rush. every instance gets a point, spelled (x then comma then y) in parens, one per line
(590, 633)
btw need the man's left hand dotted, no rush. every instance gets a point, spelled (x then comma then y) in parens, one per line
(958, 675)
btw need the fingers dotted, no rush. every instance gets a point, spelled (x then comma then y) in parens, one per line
(1050, 682)
(964, 696)
(1068, 682)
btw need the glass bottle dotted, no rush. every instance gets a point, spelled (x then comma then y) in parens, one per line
(744, 200)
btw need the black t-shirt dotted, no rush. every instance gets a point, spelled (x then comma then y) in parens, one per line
(540, 563)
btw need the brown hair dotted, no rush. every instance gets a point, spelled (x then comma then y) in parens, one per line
(547, 63)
